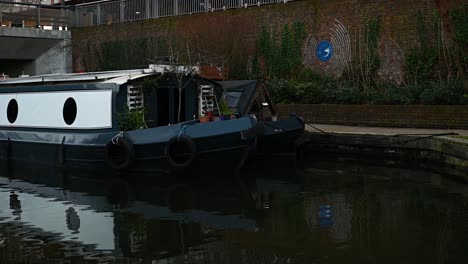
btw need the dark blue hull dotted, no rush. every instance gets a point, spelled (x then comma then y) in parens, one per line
(211, 149)
(280, 137)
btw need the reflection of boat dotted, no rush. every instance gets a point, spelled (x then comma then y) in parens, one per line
(160, 218)
(127, 119)
(252, 97)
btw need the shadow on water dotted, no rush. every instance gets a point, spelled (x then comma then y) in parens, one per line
(328, 210)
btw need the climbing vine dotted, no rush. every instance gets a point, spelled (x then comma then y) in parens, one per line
(372, 35)
(437, 58)
(460, 23)
(420, 60)
(279, 51)
(362, 73)
(131, 54)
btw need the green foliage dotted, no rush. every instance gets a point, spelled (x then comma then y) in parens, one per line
(366, 58)
(445, 93)
(343, 93)
(224, 108)
(131, 119)
(419, 65)
(311, 88)
(372, 40)
(422, 30)
(279, 54)
(256, 73)
(286, 50)
(131, 54)
(435, 59)
(420, 61)
(390, 93)
(237, 67)
(460, 21)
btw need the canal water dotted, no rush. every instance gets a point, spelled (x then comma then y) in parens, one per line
(315, 211)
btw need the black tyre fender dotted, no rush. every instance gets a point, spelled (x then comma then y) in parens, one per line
(120, 156)
(168, 151)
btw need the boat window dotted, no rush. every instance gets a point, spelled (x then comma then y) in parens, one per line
(69, 111)
(12, 111)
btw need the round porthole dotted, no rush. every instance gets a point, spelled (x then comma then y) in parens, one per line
(69, 111)
(12, 111)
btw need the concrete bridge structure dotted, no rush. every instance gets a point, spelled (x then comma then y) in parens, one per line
(34, 39)
(34, 51)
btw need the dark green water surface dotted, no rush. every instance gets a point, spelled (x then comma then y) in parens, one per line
(320, 212)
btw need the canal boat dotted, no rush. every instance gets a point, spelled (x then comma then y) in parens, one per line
(279, 137)
(129, 120)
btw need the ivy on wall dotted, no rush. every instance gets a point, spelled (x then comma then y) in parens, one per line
(420, 60)
(439, 58)
(278, 53)
(460, 23)
(131, 54)
(362, 72)
(372, 35)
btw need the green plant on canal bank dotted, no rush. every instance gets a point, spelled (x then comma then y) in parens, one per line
(314, 89)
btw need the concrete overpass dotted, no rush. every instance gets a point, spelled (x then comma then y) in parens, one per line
(34, 51)
(25, 47)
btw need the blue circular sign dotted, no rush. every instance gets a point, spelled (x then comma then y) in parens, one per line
(324, 50)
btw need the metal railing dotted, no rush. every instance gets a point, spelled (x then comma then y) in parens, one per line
(16, 14)
(108, 12)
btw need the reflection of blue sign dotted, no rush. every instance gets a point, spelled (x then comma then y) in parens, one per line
(325, 215)
(324, 50)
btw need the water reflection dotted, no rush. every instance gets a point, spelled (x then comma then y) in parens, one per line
(73, 220)
(324, 212)
(15, 205)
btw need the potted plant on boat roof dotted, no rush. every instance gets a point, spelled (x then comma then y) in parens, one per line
(204, 118)
(225, 111)
(132, 119)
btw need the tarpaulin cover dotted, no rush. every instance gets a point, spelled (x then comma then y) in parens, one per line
(239, 94)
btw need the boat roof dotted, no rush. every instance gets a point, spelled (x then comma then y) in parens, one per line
(118, 77)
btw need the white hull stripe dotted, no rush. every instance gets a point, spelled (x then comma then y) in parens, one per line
(46, 109)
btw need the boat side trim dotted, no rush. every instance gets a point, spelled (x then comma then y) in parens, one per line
(93, 109)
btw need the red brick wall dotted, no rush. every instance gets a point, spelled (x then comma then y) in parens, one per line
(216, 31)
(423, 116)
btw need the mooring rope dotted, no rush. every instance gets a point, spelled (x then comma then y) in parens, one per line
(421, 136)
(115, 139)
(181, 131)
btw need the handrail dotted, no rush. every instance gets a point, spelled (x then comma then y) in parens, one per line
(118, 11)
(95, 2)
(36, 5)
(112, 11)
(15, 14)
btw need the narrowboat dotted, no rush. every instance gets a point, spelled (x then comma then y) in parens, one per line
(279, 137)
(129, 120)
